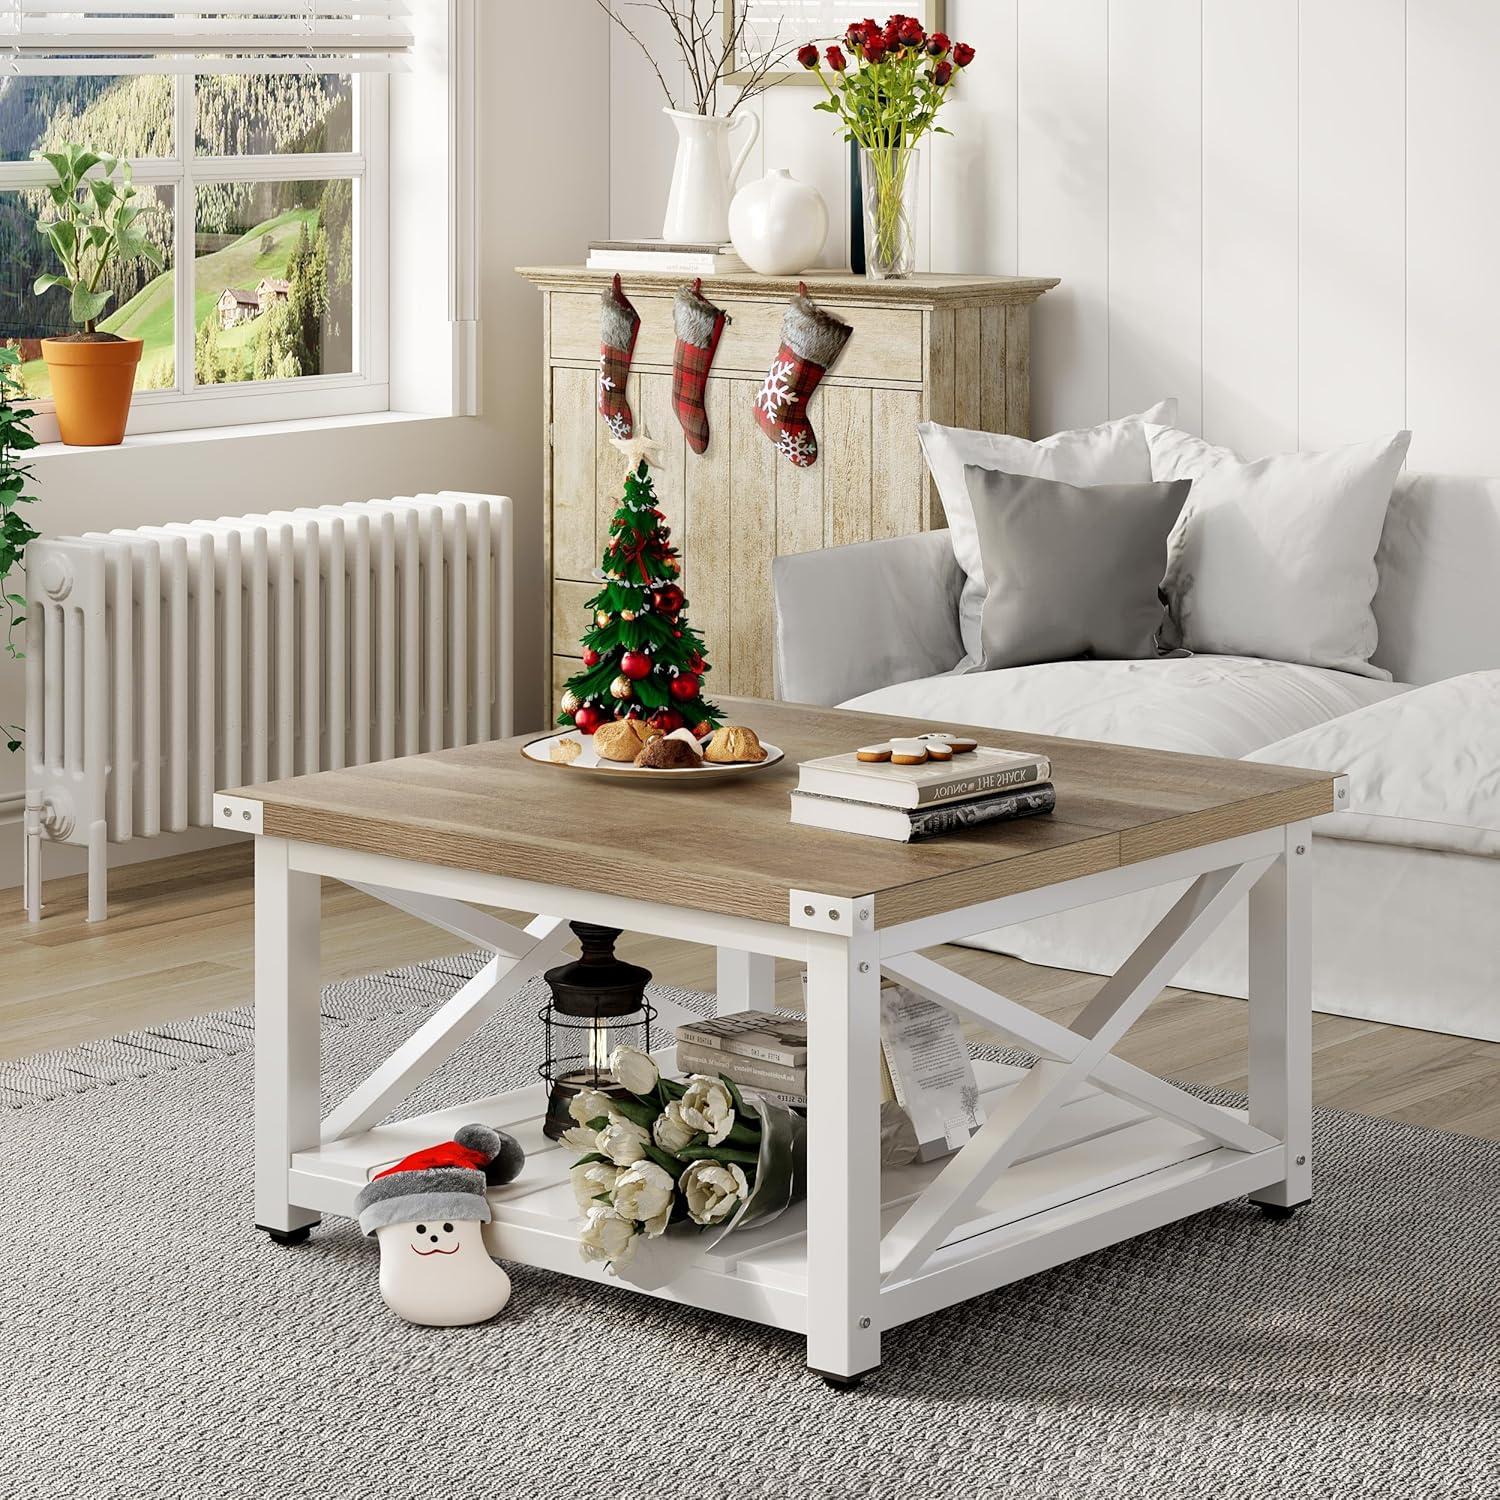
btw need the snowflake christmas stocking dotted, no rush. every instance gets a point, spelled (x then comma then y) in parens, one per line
(699, 326)
(619, 323)
(811, 339)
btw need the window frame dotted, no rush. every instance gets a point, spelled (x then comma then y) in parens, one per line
(189, 405)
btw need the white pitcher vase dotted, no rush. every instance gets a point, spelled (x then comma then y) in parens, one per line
(703, 177)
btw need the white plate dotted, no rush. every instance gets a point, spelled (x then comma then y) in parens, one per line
(589, 759)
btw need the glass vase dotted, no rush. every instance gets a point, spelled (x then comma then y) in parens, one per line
(888, 183)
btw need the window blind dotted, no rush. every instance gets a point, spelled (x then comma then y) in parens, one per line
(155, 36)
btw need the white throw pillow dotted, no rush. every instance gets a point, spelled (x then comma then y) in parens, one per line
(1276, 558)
(1112, 453)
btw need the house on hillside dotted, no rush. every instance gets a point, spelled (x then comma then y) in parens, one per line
(272, 289)
(236, 305)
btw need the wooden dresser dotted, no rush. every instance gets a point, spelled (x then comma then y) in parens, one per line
(954, 349)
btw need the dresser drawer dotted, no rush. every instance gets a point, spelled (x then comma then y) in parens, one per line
(886, 343)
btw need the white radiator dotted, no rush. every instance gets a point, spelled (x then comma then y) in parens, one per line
(167, 662)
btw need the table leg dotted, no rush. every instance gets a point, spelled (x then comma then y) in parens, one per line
(1281, 1016)
(747, 981)
(843, 1159)
(287, 1063)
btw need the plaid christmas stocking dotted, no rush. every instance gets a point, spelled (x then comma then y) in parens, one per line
(699, 326)
(619, 323)
(811, 340)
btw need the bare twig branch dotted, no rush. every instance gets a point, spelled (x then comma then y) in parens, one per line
(609, 10)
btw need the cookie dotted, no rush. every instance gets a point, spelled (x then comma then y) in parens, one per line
(564, 752)
(938, 750)
(959, 744)
(623, 739)
(874, 753)
(908, 752)
(668, 754)
(688, 738)
(733, 744)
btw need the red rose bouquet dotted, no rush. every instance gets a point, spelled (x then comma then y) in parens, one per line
(887, 99)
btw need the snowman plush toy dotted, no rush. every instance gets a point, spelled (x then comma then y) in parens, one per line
(428, 1213)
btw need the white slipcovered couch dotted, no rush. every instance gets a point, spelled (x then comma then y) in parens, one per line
(1407, 904)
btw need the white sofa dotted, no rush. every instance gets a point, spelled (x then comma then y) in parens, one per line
(1408, 887)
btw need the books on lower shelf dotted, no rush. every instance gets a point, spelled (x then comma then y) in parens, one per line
(924, 1064)
(694, 258)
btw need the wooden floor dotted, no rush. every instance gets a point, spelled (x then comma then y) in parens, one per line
(178, 943)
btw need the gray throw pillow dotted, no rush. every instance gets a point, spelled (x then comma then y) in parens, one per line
(1070, 570)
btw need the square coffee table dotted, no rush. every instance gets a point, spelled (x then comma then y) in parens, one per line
(1078, 1152)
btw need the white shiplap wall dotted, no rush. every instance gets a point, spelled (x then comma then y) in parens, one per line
(1284, 212)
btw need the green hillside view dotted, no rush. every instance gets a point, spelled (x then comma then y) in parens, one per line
(297, 231)
(148, 314)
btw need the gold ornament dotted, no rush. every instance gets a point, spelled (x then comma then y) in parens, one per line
(568, 703)
(621, 687)
(601, 617)
(627, 614)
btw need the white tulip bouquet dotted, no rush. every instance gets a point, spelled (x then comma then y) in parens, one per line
(694, 1152)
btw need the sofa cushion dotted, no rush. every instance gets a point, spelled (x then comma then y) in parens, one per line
(1422, 767)
(1201, 705)
(1069, 570)
(1277, 557)
(1438, 607)
(1111, 453)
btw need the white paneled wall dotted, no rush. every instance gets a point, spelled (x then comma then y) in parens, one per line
(1284, 212)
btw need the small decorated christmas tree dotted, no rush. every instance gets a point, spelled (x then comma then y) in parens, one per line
(641, 658)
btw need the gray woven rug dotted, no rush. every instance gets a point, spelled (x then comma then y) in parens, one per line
(153, 1344)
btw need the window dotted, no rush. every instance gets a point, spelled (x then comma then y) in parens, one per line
(264, 167)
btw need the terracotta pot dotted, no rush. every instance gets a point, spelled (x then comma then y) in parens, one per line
(91, 385)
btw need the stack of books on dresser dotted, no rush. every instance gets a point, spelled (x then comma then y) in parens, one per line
(908, 803)
(678, 257)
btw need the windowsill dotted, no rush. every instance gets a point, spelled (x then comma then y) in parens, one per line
(46, 452)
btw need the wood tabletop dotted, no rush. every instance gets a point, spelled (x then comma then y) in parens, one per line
(730, 848)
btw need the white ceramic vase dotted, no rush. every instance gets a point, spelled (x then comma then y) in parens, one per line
(703, 176)
(778, 225)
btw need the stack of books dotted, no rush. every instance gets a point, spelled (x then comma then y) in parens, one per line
(911, 803)
(684, 258)
(758, 1049)
(925, 1070)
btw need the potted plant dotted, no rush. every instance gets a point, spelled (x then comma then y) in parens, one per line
(93, 224)
(15, 530)
(888, 99)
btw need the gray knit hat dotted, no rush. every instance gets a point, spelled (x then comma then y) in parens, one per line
(444, 1182)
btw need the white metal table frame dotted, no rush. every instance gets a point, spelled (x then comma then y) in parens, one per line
(857, 1283)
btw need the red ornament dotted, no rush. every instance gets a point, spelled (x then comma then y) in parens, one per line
(703, 730)
(666, 720)
(590, 657)
(667, 599)
(685, 688)
(588, 718)
(696, 663)
(635, 665)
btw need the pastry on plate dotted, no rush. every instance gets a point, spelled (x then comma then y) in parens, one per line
(668, 754)
(734, 744)
(565, 751)
(624, 739)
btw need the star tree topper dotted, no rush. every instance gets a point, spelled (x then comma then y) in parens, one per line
(639, 449)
